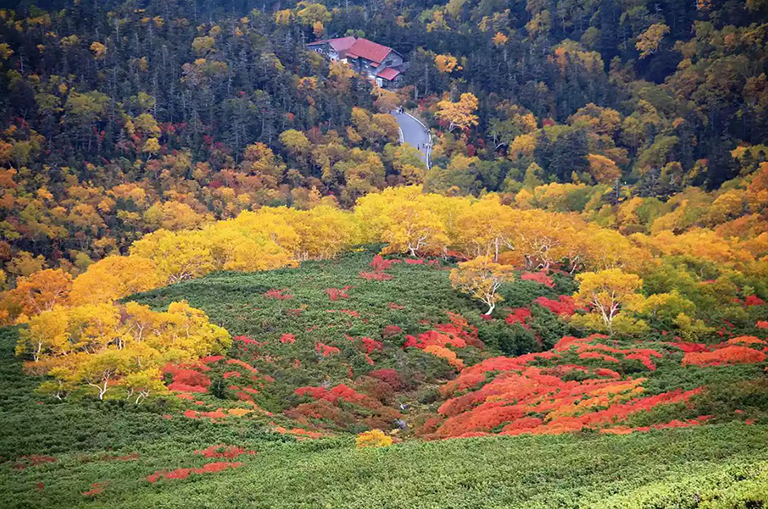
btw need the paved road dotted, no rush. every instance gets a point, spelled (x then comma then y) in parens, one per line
(414, 133)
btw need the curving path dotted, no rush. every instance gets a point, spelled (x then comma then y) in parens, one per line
(415, 133)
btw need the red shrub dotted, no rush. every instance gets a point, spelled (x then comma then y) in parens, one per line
(326, 350)
(186, 380)
(518, 315)
(338, 293)
(389, 376)
(375, 276)
(371, 344)
(33, 461)
(96, 488)
(183, 473)
(287, 338)
(539, 277)
(411, 261)
(223, 451)
(277, 294)
(379, 264)
(753, 300)
(564, 306)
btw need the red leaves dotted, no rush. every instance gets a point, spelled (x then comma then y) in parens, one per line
(96, 488)
(242, 364)
(433, 338)
(33, 461)
(762, 324)
(338, 293)
(326, 350)
(727, 355)
(277, 294)
(587, 350)
(371, 344)
(564, 306)
(375, 276)
(287, 338)
(538, 277)
(183, 473)
(341, 391)
(518, 315)
(379, 264)
(753, 300)
(224, 451)
(248, 341)
(186, 380)
(353, 314)
(389, 376)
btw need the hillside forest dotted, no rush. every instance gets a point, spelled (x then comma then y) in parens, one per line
(214, 245)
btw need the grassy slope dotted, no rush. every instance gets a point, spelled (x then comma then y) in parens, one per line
(669, 468)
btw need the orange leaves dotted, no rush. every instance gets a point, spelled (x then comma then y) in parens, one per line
(444, 353)
(727, 355)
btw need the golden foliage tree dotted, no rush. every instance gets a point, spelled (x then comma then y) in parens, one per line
(481, 278)
(460, 114)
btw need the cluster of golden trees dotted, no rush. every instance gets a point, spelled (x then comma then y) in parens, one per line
(77, 332)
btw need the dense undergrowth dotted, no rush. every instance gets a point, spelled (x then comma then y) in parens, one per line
(322, 352)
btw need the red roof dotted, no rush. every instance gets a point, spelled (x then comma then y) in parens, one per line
(342, 43)
(389, 74)
(339, 44)
(369, 50)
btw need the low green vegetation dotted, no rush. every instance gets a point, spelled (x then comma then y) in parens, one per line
(167, 452)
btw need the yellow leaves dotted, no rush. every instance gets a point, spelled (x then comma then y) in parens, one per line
(283, 17)
(41, 291)
(99, 50)
(603, 170)
(447, 64)
(373, 438)
(481, 278)
(649, 41)
(607, 292)
(173, 215)
(522, 146)
(96, 344)
(5, 51)
(152, 146)
(115, 277)
(459, 114)
(405, 219)
(202, 46)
